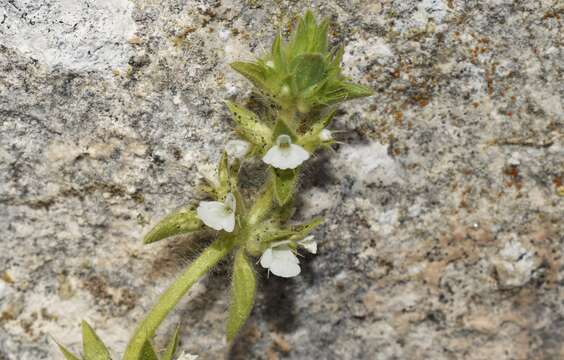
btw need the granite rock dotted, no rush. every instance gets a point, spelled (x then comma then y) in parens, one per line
(443, 204)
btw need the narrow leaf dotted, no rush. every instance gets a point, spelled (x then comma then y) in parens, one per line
(148, 353)
(277, 55)
(93, 347)
(284, 184)
(183, 221)
(261, 206)
(67, 354)
(242, 294)
(223, 174)
(301, 231)
(250, 126)
(171, 347)
(354, 91)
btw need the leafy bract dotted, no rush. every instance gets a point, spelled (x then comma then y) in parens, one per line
(181, 222)
(243, 290)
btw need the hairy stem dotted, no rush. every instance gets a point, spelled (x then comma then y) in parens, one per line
(168, 300)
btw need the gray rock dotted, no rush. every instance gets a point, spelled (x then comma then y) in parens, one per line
(444, 232)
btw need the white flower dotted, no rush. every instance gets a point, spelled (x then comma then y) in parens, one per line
(237, 149)
(187, 356)
(281, 261)
(218, 215)
(285, 155)
(309, 244)
(325, 135)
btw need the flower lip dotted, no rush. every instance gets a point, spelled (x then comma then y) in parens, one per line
(285, 155)
(281, 261)
(218, 215)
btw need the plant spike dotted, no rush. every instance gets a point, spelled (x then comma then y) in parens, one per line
(301, 82)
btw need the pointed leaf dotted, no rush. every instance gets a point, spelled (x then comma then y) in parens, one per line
(308, 70)
(321, 37)
(242, 294)
(183, 221)
(281, 128)
(277, 55)
(223, 174)
(354, 91)
(250, 126)
(301, 231)
(67, 354)
(148, 353)
(93, 347)
(254, 72)
(284, 184)
(338, 57)
(171, 347)
(261, 206)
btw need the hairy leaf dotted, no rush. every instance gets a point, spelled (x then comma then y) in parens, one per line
(301, 231)
(171, 347)
(308, 69)
(183, 221)
(254, 72)
(148, 353)
(93, 347)
(284, 184)
(67, 354)
(243, 291)
(250, 126)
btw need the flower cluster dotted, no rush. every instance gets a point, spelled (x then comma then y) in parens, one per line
(300, 82)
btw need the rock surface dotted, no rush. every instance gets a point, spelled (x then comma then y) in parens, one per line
(444, 207)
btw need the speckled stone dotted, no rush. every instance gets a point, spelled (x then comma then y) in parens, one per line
(444, 204)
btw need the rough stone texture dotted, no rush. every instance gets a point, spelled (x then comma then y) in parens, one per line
(444, 232)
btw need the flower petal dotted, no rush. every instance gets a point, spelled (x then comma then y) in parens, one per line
(266, 258)
(284, 262)
(275, 157)
(288, 158)
(213, 214)
(309, 244)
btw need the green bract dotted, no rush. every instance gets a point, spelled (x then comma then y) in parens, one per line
(302, 74)
(301, 81)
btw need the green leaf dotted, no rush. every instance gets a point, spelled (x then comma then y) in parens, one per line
(148, 353)
(284, 184)
(250, 126)
(67, 354)
(171, 347)
(338, 57)
(310, 140)
(277, 54)
(301, 231)
(93, 347)
(281, 128)
(308, 70)
(223, 174)
(243, 291)
(261, 206)
(356, 90)
(183, 221)
(254, 72)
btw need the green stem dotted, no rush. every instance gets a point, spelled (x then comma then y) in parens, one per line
(168, 300)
